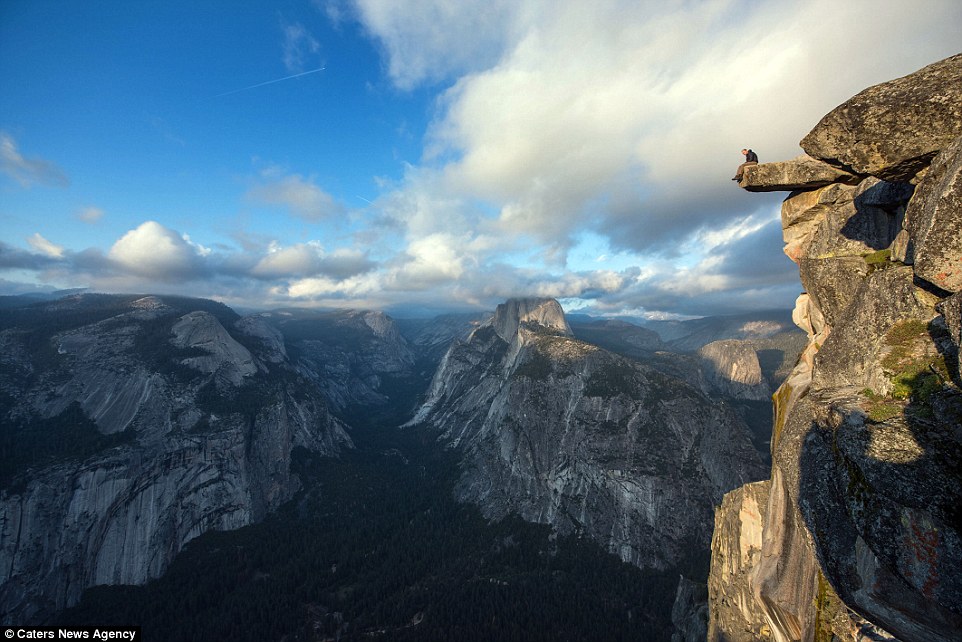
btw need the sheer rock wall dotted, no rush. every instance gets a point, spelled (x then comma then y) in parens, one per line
(862, 534)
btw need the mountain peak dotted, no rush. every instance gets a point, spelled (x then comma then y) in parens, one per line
(511, 315)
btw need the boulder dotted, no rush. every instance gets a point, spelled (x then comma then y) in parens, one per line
(934, 222)
(842, 220)
(854, 226)
(880, 502)
(803, 172)
(894, 129)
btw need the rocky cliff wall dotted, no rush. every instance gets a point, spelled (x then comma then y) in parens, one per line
(201, 423)
(355, 357)
(565, 433)
(862, 533)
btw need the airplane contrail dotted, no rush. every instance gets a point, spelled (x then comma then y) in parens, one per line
(271, 82)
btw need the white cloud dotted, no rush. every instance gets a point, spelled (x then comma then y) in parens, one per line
(299, 46)
(90, 214)
(627, 117)
(562, 133)
(300, 195)
(310, 259)
(432, 260)
(156, 252)
(28, 171)
(427, 40)
(46, 247)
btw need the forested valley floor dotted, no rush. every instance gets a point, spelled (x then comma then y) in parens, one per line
(375, 547)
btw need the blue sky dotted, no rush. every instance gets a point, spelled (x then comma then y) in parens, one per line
(426, 155)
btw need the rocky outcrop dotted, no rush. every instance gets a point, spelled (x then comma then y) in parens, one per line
(934, 224)
(171, 428)
(355, 357)
(220, 352)
(733, 370)
(894, 129)
(861, 534)
(544, 315)
(736, 549)
(565, 433)
(803, 173)
(689, 613)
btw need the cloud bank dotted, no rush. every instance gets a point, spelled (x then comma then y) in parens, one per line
(575, 150)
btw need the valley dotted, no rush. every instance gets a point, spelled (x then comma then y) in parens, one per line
(325, 518)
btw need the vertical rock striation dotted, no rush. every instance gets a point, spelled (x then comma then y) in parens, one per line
(862, 533)
(562, 432)
(176, 421)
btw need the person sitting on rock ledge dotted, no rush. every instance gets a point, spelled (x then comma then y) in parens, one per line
(751, 158)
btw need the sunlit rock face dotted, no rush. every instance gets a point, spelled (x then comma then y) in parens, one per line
(201, 409)
(565, 433)
(862, 534)
(802, 173)
(736, 550)
(894, 129)
(934, 224)
(732, 368)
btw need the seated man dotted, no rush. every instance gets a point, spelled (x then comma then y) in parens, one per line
(751, 158)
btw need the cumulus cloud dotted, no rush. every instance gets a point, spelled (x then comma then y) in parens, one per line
(641, 108)
(429, 40)
(157, 252)
(624, 119)
(28, 171)
(299, 195)
(13, 258)
(310, 259)
(560, 132)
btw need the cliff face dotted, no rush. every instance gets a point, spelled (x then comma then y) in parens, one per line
(563, 432)
(354, 357)
(139, 425)
(862, 532)
(732, 368)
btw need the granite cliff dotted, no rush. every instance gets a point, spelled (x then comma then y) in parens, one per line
(356, 358)
(858, 533)
(131, 426)
(563, 432)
